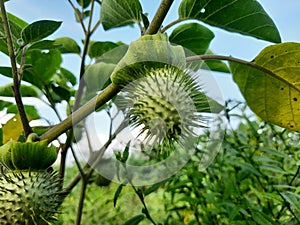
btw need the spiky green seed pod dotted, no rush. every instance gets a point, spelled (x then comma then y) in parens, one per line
(29, 198)
(165, 102)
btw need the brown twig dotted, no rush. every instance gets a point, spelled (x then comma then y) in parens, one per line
(15, 73)
(159, 17)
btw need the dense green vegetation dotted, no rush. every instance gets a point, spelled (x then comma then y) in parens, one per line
(253, 180)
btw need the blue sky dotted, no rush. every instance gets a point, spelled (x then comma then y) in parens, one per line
(286, 17)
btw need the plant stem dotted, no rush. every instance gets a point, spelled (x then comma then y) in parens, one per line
(81, 201)
(165, 28)
(99, 100)
(15, 74)
(159, 17)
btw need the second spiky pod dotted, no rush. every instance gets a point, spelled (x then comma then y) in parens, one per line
(29, 195)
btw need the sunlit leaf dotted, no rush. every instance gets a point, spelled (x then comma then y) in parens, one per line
(12, 129)
(39, 30)
(97, 49)
(243, 16)
(273, 97)
(117, 13)
(68, 45)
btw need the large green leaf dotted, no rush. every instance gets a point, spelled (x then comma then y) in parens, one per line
(193, 36)
(273, 96)
(38, 30)
(117, 13)
(243, 16)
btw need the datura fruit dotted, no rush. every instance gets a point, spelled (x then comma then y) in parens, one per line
(29, 194)
(29, 198)
(165, 101)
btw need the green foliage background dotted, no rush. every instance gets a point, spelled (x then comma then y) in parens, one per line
(253, 180)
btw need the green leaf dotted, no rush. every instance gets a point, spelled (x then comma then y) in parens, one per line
(69, 45)
(135, 220)
(26, 91)
(215, 65)
(12, 18)
(117, 193)
(16, 26)
(261, 218)
(68, 75)
(44, 64)
(97, 75)
(43, 45)
(192, 36)
(115, 55)
(84, 3)
(3, 47)
(243, 16)
(292, 199)
(273, 96)
(12, 129)
(61, 93)
(31, 111)
(97, 49)
(38, 30)
(117, 13)
(4, 104)
(125, 153)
